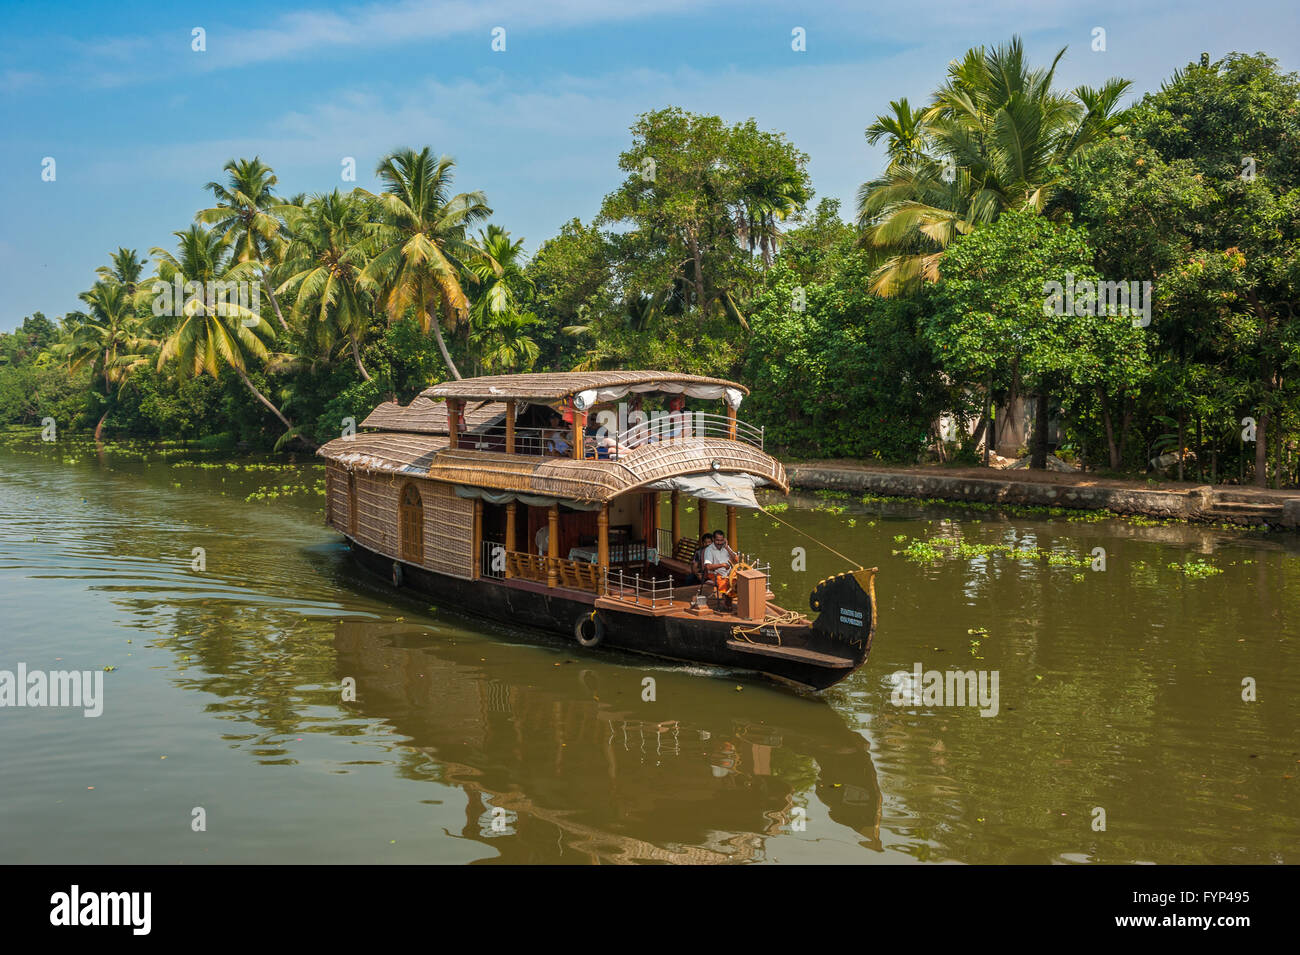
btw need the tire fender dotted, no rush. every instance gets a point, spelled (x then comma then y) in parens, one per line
(397, 574)
(589, 630)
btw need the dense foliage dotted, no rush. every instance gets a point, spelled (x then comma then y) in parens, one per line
(857, 339)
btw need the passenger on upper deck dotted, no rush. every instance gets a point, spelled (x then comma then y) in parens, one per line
(554, 441)
(676, 424)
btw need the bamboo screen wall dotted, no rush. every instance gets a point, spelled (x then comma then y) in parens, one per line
(448, 519)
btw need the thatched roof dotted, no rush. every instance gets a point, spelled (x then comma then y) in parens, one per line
(549, 386)
(426, 416)
(587, 480)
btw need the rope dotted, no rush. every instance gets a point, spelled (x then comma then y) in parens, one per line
(771, 620)
(811, 538)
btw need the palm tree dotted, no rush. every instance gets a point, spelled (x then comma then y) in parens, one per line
(109, 339)
(904, 130)
(506, 345)
(247, 218)
(996, 137)
(498, 323)
(206, 333)
(420, 247)
(126, 269)
(764, 203)
(324, 260)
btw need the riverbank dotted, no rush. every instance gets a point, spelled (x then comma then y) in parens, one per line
(1188, 501)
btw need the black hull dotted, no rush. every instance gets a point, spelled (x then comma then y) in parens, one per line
(704, 640)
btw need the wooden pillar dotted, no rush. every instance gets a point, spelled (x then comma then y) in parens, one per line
(552, 545)
(602, 545)
(511, 508)
(731, 422)
(676, 498)
(704, 517)
(478, 538)
(510, 431)
(653, 539)
(578, 421)
(453, 422)
(733, 538)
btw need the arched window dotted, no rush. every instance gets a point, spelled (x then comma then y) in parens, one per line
(410, 524)
(352, 504)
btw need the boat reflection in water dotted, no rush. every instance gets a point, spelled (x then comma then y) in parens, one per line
(563, 761)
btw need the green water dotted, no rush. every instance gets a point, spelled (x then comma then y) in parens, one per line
(1118, 689)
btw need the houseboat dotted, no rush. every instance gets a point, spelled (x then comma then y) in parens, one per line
(535, 499)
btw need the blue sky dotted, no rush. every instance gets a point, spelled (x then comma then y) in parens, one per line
(137, 121)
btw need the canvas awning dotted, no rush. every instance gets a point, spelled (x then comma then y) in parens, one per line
(735, 490)
(531, 500)
(598, 396)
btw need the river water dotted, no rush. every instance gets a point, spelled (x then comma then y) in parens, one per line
(1120, 734)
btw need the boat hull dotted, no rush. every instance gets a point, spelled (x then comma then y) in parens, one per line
(811, 659)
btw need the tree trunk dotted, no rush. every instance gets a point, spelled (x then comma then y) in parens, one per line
(1111, 447)
(99, 428)
(1200, 452)
(356, 355)
(436, 327)
(1261, 451)
(275, 303)
(243, 376)
(699, 273)
(1181, 444)
(1278, 476)
(1038, 460)
(988, 420)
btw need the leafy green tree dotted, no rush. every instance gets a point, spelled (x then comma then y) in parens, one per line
(999, 321)
(699, 196)
(420, 252)
(206, 333)
(836, 371)
(246, 218)
(1202, 199)
(111, 341)
(323, 263)
(499, 323)
(995, 137)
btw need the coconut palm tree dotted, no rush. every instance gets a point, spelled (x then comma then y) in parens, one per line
(323, 261)
(247, 218)
(764, 203)
(109, 339)
(205, 332)
(506, 346)
(419, 248)
(126, 269)
(904, 132)
(995, 137)
(498, 322)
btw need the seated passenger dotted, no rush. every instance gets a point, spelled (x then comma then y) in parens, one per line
(697, 561)
(554, 441)
(717, 559)
(676, 424)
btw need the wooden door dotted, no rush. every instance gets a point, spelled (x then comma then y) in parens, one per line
(410, 522)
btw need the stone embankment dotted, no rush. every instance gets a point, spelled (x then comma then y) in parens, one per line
(1224, 504)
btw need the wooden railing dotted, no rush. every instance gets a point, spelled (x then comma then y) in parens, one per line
(573, 574)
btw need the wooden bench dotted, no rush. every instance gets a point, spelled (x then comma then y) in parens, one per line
(682, 556)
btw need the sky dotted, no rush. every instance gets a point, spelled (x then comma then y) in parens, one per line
(137, 120)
